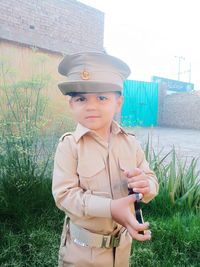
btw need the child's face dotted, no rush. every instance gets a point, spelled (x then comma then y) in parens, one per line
(96, 110)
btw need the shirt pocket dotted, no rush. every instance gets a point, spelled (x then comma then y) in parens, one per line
(125, 164)
(92, 174)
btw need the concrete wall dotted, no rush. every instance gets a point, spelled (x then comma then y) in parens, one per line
(21, 63)
(181, 110)
(34, 35)
(57, 25)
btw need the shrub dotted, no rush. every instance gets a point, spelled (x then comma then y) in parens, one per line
(26, 145)
(178, 179)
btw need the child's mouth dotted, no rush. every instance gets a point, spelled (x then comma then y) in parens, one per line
(92, 117)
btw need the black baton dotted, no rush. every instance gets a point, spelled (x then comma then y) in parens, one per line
(138, 211)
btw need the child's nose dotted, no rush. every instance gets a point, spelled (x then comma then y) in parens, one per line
(91, 104)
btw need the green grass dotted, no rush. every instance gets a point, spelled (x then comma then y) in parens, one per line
(175, 242)
(31, 225)
(31, 236)
(30, 233)
(37, 246)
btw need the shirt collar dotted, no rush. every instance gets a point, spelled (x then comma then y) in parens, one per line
(116, 128)
(82, 130)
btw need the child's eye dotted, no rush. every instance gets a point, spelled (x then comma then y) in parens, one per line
(80, 99)
(102, 98)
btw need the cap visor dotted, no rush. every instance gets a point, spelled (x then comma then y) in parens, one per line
(88, 87)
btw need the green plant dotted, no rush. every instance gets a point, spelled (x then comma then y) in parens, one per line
(22, 109)
(25, 150)
(178, 180)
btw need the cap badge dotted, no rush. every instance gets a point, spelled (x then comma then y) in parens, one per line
(85, 75)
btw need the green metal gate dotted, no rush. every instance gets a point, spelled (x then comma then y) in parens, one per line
(140, 106)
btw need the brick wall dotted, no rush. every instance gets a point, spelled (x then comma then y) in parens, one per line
(181, 110)
(57, 25)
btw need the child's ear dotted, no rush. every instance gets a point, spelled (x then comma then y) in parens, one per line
(120, 100)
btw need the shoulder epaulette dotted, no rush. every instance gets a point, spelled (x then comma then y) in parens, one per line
(125, 132)
(64, 135)
(131, 134)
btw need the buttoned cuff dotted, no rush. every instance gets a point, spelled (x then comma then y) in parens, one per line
(98, 207)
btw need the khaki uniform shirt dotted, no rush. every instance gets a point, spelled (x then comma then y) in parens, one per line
(88, 174)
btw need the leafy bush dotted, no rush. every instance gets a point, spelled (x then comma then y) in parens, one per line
(27, 126)
(23, 152)
(26, 145)
(178, 179)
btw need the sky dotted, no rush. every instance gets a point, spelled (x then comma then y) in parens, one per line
(154, 36)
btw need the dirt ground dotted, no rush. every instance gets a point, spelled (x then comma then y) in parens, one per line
(186, 141)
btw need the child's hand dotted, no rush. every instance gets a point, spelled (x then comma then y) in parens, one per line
(121, 210)
(137, 180)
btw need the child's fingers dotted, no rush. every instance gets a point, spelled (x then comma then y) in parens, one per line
(145, 237)
(132, 173)
(141, 186)
(141, 183)
(133, 197)
(137, 236)
(139, 227)
(134, 224)
(144, 190)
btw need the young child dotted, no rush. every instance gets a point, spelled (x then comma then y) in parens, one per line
(95, 165)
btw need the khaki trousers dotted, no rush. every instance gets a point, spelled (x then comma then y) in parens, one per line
(74, 255)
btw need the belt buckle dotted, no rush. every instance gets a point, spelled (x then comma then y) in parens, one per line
(110, 241)
(106, 242)
(115, 241)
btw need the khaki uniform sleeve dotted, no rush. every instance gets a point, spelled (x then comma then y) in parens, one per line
(144, 166)
(68, 194)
